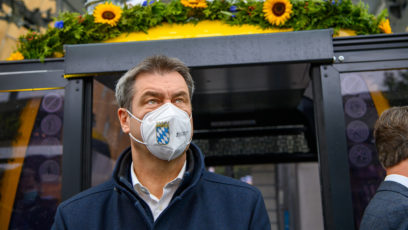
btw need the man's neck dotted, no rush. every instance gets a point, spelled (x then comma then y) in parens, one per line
(154, 173)
(400, 169)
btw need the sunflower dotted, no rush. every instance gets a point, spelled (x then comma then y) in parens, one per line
(57, 54)
(107, 14)
(15, 56)
(194, 3)
(385, 26)
(277, 11)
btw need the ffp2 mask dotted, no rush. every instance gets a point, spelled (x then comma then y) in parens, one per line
(166, 131)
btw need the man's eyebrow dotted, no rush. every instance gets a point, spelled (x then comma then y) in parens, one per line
(180, 94)
(151, 94)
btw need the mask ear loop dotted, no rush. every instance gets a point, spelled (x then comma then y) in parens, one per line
(133, 116)
(134, 138)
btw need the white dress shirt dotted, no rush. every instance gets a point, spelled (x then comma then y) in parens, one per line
(157, 205)
(397, 178)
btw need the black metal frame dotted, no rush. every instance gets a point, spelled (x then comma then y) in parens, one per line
(352, 54)
(301, 46)
(32, 74)
(77, 137)
(77, 123)
(367, 53)
(332, 149)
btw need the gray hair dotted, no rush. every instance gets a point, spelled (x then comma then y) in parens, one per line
(155, 64)
(391, 136)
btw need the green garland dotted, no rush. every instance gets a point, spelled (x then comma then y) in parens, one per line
(74, 28)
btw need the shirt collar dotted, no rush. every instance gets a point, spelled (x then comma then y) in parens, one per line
(397, 178)
(136, 182)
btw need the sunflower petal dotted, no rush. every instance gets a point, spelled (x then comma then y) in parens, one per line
(277, 12)
(107, 13)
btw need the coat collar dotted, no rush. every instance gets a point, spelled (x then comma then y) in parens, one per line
(194, 170)
(394, 187)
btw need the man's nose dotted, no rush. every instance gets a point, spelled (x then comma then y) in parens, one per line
(167, 100)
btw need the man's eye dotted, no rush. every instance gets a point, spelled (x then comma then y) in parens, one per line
(179, 100)
(151, 102)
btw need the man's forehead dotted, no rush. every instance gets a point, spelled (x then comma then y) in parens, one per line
(154, 79)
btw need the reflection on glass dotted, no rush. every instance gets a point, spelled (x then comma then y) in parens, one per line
(365, 96)
(30, 152)
(261, 176)
(108, 140)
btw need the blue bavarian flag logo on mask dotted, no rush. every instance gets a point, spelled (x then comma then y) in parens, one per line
(162, 133)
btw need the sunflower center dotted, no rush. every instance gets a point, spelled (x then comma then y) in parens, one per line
(193, 2)
(109, 15)
(278, 8)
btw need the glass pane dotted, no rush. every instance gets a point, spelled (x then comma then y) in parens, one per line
(106, 127)
(365, 96)
(261, 176)
(30, 152)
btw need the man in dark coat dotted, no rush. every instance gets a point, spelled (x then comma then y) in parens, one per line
(388, 209)
(160, 182)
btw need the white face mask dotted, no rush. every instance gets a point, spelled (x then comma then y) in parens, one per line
(166, 131)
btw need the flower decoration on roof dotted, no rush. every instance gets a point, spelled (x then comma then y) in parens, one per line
(59, 24)
(233, 9)
(58, 54)
(107, 13)
(146, 3)
(31, 36)
(80, 19)
(385, 26)
(194, 3)
(250, 10)
(277, 12)
(109, 21)
(16, 56)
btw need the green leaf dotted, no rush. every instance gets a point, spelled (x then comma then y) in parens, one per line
(306, 15)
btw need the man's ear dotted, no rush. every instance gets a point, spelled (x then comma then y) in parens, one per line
(124, 120)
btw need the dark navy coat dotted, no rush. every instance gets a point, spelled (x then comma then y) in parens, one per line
(204, 201)
(388, 209)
